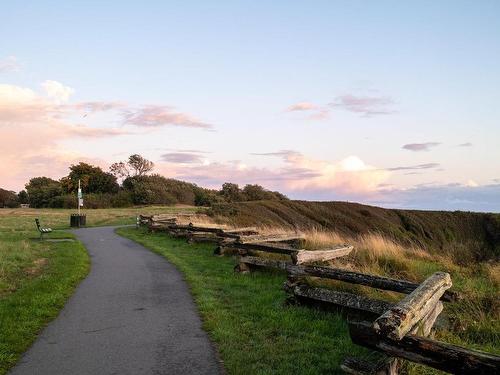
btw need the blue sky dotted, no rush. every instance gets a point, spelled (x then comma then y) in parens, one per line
(344, 100)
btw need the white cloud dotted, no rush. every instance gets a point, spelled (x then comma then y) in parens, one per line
(57, 91)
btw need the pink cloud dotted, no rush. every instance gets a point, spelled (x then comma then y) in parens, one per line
(316, 112)
(417, 147)
(32, 127)
(364, 105)
(93, 107)
(34, 124)
(158, 115)
(302, 106)
(182, 157)
(415, 167)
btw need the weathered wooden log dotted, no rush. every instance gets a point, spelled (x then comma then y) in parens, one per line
(262, 262)
(424, 326)
(340, 299)
(260, 238)
(400, 319)
(238, 233)
(379, 282)
(202, 237)
(306, 256)
(276, 249)
(383, 366)
(442, 356)
(193, 228)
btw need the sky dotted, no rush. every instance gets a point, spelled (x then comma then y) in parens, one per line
(389, 103)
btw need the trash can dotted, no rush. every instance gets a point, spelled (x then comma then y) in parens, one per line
(77, 220)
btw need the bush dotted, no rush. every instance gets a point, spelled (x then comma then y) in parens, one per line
(63, 201)
(8, 199)
(156, 189)
(122, 199)
(207, 197)
(42, 190)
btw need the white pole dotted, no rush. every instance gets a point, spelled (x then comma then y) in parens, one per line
(79, 190)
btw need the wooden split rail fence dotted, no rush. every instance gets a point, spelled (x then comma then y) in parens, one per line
(400, 331)
(245, 242)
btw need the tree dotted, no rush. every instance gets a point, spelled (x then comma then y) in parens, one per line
(156, 189)
(135, 166)
(140, 165)
(93, 180)
(258, 193)
(231, 192)
(8, 199)
(42, 191)
(22, 197)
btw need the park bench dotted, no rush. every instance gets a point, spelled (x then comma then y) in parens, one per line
(42, 230)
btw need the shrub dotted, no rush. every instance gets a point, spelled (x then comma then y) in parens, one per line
(42, 190)
(8, 199)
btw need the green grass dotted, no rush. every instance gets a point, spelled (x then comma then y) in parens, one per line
(34, 291)
(246, 316)
(256, 333)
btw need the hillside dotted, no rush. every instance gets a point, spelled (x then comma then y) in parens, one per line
(468, 233)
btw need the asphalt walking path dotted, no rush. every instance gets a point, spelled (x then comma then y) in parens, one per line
(133, 314)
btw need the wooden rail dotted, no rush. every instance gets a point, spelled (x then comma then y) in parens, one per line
(379, 282)
(401, 318)
(442, 356)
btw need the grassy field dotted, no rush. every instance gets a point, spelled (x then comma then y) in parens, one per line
(255, 333)
(37, 277)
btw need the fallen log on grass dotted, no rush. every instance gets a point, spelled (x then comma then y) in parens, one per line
(442, 356)
(401, 318)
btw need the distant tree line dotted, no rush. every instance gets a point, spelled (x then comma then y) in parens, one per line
(103, 189)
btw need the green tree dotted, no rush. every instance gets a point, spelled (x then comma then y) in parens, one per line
(8, 199)
(135, 166)
(93, 180)
(231, 192)
(156, 189)
(42, 191)
(22, 197)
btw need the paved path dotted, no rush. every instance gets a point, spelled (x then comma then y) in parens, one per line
(133, 314)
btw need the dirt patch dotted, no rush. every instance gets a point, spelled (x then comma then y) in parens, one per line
(38, 265)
